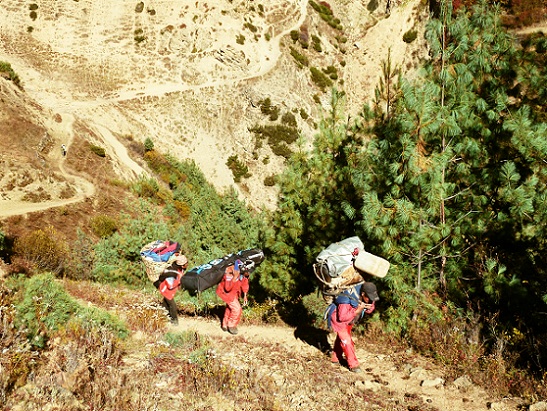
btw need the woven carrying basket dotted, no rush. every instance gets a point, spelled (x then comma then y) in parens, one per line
(154, 268)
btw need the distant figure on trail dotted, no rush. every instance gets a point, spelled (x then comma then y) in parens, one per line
(63, 149)
(234, 284)
(346, 310)
(169, 282)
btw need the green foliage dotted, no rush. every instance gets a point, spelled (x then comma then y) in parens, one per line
(372, 5)
(189, 341)
(331, 72)
(99, 151)
(269, 181)
(410, 36)
(289, 120)
(139, 36)
(239, 169)
(147, 188)
(279, 137)
(3, 243)
(450, 176)
(7, 72)
(268, 109)
(103, 225)
(250, 26)
(46, 308)
(214, 225)
(148, 144)
(300, 59)
(79, 263)
(240, 39)
(316, 41)
(320, 79)
(294, 35)
(326, 14)
(309, 217)
(164, 167)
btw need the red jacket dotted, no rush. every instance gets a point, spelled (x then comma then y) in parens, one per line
(232, 285)
(169, 281)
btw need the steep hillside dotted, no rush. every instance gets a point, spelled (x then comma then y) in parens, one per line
(191, 76)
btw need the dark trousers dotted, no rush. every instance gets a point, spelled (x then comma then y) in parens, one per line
(171, 307)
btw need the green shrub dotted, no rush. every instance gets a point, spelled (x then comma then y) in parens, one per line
(148, 144)
(289, 120)
(43, 248)
(165, 167)
(300, 59)
(101, 152)
(251, 27)
(278, 136)
(320, 79)
(7, 72)
(238, 168)
(269, 181)
(410, 36)
(139, 36)
(147, 188)
(316, 43)
(240, 39)
(139, 7)
(268, 109)
(295, 35)
(46, 308)
(372, 5)
(33, 15)
(103, 226)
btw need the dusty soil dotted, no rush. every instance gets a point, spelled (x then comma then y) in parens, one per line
(192, 85)
(293, 356)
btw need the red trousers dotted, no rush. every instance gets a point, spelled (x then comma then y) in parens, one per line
(232, 314)
(343, 345)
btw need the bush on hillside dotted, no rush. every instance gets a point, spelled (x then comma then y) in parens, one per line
(44, 249)
(46, 308)
(7, 72)
(103, 225)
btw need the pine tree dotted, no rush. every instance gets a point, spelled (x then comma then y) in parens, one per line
(314, 189)
(453, 181)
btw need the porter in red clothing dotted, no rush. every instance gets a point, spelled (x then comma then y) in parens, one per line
(234, 284)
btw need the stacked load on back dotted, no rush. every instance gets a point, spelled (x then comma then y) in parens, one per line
(207, 275)
(157, 256)
(341, 265)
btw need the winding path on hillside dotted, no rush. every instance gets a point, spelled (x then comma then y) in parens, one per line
(68, 109)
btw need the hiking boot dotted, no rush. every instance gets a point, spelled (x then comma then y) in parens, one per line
(232, 330)
(223, 328)
(356, 370)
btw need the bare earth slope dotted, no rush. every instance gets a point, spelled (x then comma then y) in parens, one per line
(189, 75)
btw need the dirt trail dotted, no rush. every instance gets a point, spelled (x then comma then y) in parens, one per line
(254, 345)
